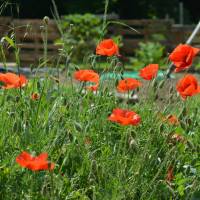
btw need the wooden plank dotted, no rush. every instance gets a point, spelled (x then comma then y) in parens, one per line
(127, 31)
(38, 46)
(4, 25)
(130, 45)
(31, 57)
(35, 36)
(30, 39)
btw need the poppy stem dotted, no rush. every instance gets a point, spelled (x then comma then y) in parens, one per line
(189, 41)
(52, 185)
(2, 54)
(105, 18)
(128, 98)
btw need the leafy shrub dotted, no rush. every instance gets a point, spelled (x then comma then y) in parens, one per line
(80, 34)
(148, 52)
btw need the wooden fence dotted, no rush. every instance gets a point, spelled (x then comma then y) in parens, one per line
(29, 35)
(180, 34)
(144, 31)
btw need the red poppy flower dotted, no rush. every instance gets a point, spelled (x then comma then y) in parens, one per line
(128, 84)
(182, 56)
(149, 72)
(12, 80)
(188, 86)
(124, 117)
(34, 163)
(35, 96)
(172, 119)
(86, 76)
(107, 48)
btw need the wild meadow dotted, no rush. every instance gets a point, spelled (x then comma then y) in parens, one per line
(70, 136)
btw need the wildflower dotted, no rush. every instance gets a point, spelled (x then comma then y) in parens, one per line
(35, 96)
(128, 84)
(88, 76)
(149, 72)
(87, 140)
(12, 80)
(188, 86)
(177, 137)
(124, 117)
(182, 56)
(107, 47)
(174, 138)
(34, 163)
(171, 119)
(170, 174)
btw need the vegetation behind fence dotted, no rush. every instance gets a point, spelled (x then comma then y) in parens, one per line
(30, 36)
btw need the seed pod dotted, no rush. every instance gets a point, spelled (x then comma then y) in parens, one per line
(132, 143)
(46, 20)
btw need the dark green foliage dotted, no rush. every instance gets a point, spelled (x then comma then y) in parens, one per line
(148, 52)
(80, 34)
(132, 9)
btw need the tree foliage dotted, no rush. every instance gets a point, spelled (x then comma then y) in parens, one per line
(136, 9)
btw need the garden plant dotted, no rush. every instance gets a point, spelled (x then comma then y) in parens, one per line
(74, 139)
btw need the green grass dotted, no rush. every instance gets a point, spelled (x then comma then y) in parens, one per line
(95, 158)
(118, 163)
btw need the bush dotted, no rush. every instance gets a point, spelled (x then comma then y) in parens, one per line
(81, 33)
(148, 52)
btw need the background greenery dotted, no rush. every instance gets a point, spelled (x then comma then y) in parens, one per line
(124, 8)
(95, 158)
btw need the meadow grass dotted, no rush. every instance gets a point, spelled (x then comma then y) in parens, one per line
(94, 157)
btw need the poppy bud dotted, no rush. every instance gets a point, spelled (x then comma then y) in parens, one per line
(170, 174)
(35, 96)
(132, 143)
(78, 126)
(2, 40)
(46, 20)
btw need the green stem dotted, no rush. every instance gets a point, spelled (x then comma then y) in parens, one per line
(3, 58)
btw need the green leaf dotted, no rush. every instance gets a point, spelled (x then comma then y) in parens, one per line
(10, 41)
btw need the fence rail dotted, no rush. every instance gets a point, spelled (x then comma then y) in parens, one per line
(29, 36)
